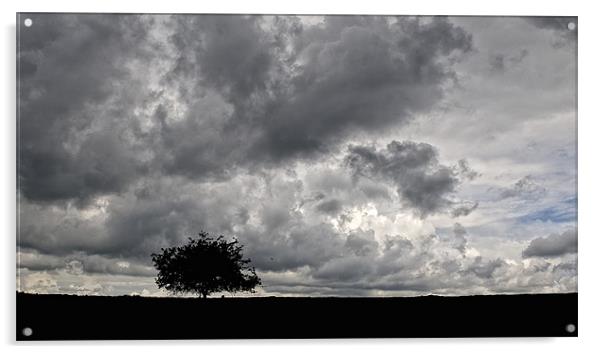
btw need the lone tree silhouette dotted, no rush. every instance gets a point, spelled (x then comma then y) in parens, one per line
(203, 266)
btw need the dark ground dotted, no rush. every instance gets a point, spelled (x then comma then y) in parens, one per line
(66, 317)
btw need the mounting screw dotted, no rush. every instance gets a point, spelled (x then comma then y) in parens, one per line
(570, 328)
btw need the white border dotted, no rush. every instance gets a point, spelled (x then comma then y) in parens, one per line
(590, 244)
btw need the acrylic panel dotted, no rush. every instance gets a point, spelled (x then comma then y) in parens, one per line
(190, 176)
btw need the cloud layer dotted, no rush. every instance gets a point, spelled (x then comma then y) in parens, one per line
(342, 151)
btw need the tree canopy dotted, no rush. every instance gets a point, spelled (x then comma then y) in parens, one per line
(205, 265)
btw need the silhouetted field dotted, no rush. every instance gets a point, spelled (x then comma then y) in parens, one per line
(64, 317)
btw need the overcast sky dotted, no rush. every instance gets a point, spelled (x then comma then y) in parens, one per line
(351, 156)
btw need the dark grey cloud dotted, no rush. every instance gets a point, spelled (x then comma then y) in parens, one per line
(35, 261)
(464, 209)
(552, 23)
(234, 91)
(497, 63)
(554, 245)
(484, 269)
(74, 267)
(421, 181)
(465, 171)
(331, 206)
(157, 214)
(295, 91)
(559, 25)
(460, 241)
(230, 60)
(362, 243)
(232, 53)
(569, 268)
(98, 264)
(80, 263)
(367, 265)
(361, 73)
(54, 231)
(144, 226)
(345, 269)
(502, 62)
(293, 248)
(72, 92)
(526, 187)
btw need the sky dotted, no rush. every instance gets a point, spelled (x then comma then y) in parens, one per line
(349, 155)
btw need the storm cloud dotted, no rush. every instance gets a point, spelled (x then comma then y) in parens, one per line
(553, 245)
(73, 95)
(247, 89)
(414, 168)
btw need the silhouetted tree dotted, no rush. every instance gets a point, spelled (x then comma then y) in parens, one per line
(205, 265)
